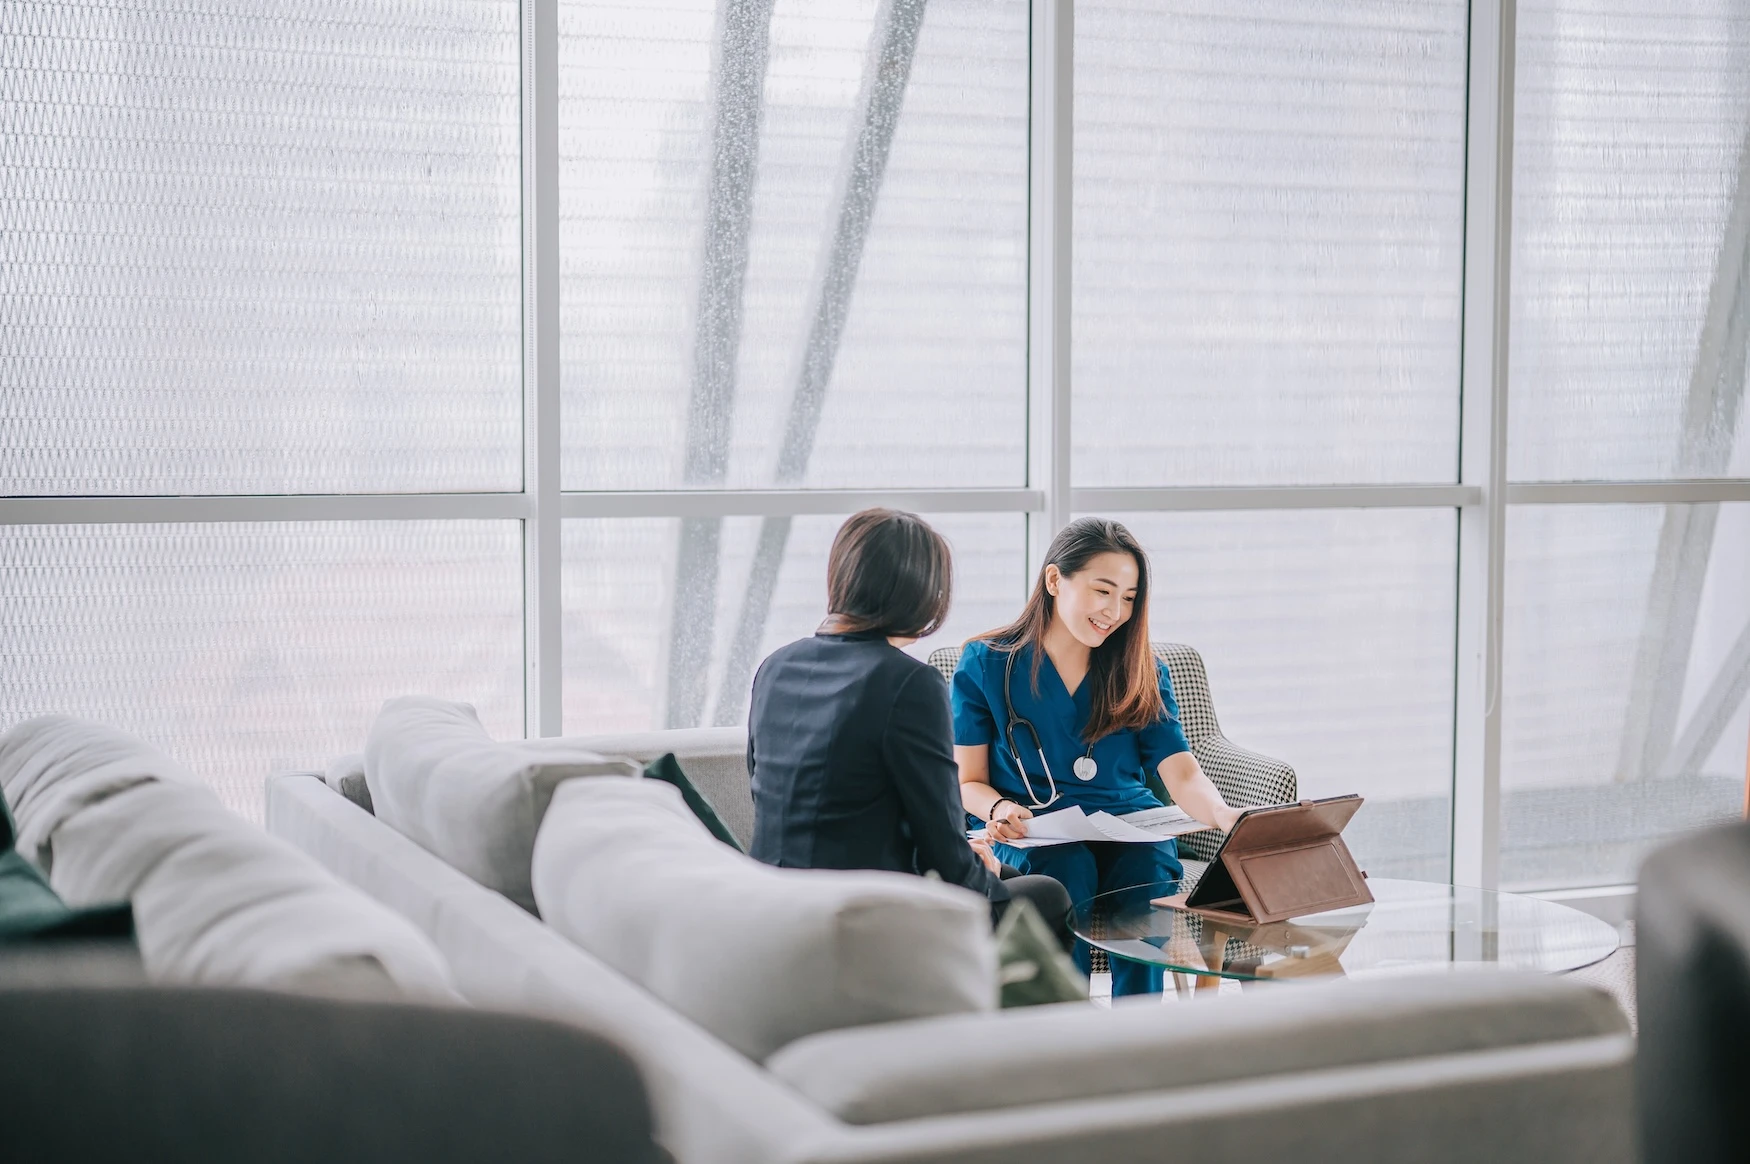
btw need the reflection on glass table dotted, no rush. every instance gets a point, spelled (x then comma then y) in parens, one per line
(1408, 925)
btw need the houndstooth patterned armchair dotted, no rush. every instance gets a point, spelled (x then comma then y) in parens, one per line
(1244, 777)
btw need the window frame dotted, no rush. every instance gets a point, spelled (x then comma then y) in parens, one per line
(1482, 496)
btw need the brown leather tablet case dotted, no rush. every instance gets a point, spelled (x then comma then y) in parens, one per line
(1283, 861)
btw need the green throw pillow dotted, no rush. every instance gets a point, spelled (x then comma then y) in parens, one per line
(1032, 967)
(30, 910)
(668, 770)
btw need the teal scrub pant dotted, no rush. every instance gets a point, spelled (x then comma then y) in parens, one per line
(1089, 867)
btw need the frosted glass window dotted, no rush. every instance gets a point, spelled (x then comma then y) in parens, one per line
(1268, 251)
(245, 649)
(701, 286)
(1627, 667)
(1631, 219)
(1328, 638)
(259, 248)
(619, 598)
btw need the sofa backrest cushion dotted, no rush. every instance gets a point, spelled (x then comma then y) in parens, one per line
(714, 759)
(438, 778)
(216, 900)
(219, 901)
(54, 766)
(912, 1070)
(757, 955)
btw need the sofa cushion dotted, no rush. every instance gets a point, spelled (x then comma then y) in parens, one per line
(219, 901)
(437, 777)
(54, 766)
(942, 1066)
(759, 956)
(216, 900)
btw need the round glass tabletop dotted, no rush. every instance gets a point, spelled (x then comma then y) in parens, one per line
(1409, 924)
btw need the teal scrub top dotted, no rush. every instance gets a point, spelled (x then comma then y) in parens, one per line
(981, 716)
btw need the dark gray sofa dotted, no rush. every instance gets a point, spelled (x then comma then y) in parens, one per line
(1692, 990)
(97, 1064)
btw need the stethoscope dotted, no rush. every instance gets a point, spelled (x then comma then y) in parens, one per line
(1084, 768)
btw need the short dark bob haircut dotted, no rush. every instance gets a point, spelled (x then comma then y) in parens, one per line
(888, 572)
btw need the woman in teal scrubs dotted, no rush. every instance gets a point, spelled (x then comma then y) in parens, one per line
(1067, 705)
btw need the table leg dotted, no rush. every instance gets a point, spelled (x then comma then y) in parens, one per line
(1213, 947)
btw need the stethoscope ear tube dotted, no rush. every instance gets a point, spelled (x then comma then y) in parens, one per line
(1038, 745)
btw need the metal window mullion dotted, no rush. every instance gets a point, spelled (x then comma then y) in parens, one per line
(1476, 789)
(1243, 497)
(262, 508)
(1674, 492)
(543, 671)
(1051, 107)
(715, 503)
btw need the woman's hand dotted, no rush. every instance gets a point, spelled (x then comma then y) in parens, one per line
(982, 848)
(1192, 791)
(1008, 821)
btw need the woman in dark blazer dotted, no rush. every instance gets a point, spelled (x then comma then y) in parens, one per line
(850, 744)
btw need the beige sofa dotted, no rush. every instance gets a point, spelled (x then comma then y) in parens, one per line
(1502, 1067)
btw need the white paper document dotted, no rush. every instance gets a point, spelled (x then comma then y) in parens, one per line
(1072, 824)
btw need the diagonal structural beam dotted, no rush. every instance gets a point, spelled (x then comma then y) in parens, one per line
(1708, 723)
(893, 46)
(1686, 537)
(743, 48)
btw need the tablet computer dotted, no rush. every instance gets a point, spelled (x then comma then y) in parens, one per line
(1284, 860)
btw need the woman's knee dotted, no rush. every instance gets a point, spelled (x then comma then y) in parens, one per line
(1051, 899)
(1047, 894)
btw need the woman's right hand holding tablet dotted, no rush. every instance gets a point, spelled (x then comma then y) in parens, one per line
(1008, 820)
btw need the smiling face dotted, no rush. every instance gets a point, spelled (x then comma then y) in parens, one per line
(1097, 599)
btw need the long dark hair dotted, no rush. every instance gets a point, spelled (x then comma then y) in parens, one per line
(1126, 689)
(888, 572)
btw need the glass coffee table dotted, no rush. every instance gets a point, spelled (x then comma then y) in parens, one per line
(1410, 925)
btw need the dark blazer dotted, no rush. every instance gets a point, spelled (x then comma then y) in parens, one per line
(850, 747)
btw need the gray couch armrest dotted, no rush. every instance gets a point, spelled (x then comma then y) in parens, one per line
(1552, 1103)
(1513, 1069)
(940, 1066)
(133, 1072)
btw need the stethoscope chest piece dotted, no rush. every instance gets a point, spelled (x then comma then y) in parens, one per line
(1085, 768)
